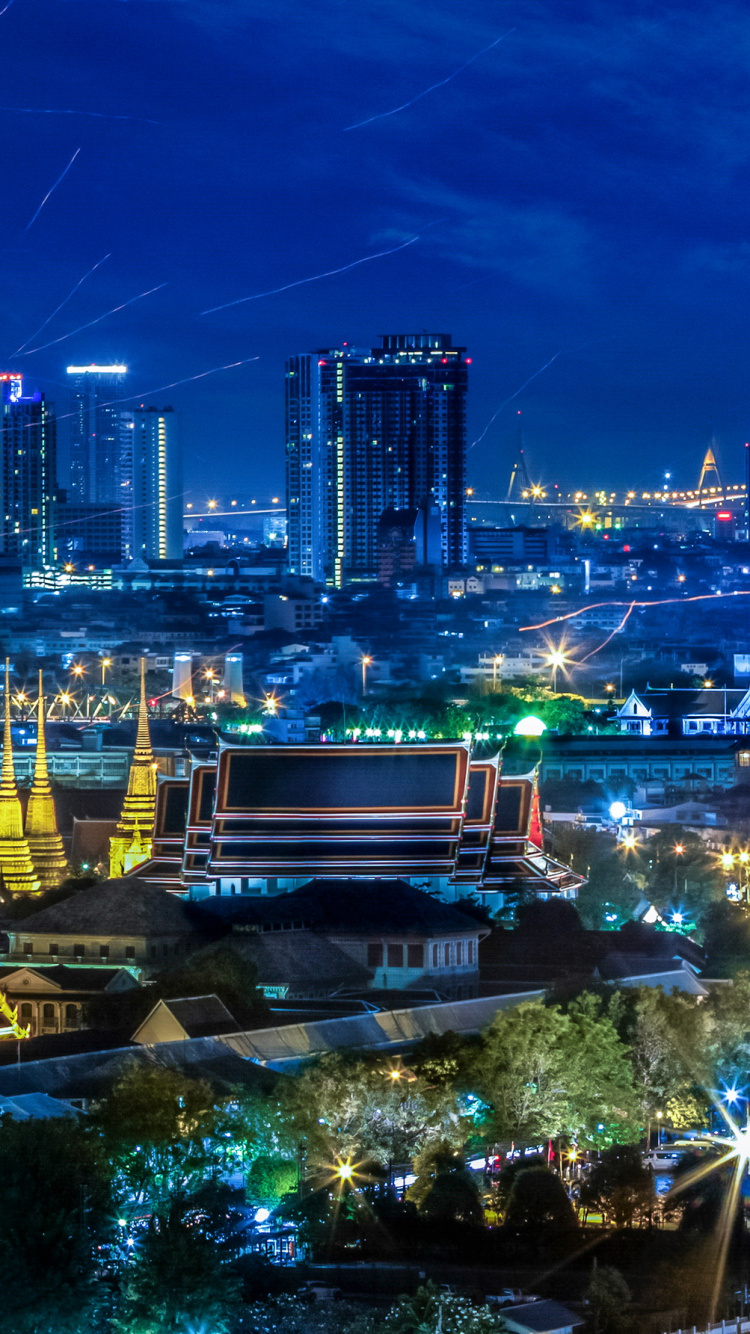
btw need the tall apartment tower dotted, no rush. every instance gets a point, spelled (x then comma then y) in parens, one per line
(370, 431)
(28, 457)
(150, 484)
(95, 427)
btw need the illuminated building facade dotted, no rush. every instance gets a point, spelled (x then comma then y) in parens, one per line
(28, 458)
(95, 433)
(265, 819)
(150, 485)
(369, 431)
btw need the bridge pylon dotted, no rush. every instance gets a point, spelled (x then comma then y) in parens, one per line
(710, 474)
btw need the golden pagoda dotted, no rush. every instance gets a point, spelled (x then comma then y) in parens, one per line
(16, 867)
(42, 834)
(132, 841)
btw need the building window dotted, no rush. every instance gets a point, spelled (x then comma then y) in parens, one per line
(48, 1013)
(415, 956)
(395, 956)
(54, 949)
(79, 951)
(130, 951)
(71, 1016)
(743, 759)
(470, 951)
(26, 1010)
(27, 949)
(447, 955)
(459, 953)
(436, 956)
(374, 955)
(104, 951)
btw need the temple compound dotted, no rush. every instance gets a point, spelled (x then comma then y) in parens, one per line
(263, 820)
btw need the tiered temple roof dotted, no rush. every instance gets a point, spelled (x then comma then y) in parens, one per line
(42, 834)
(354, 811)
(133, 839)
(16, 867)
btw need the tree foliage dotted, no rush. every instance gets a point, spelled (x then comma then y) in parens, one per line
(346, 1110)
(539, 1202)
(56, 1200)
(159, 1130)
(548, 1074)
(619, 1187)
(175, 1281)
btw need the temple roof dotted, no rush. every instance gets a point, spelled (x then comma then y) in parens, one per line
(124, 907)
(353, 907)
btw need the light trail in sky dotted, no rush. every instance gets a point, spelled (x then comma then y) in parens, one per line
(7, 7)
(62, 303)
(660, 602)
(316, 277)
(495, 415)
(614, 632)
(60, 178)
(98, 320)
(70, 111)
(381, 115)
(160, 389)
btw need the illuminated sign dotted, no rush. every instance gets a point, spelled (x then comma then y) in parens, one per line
(93, 369)
(12, 386)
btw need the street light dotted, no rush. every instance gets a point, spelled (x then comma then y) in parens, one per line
(499, 657)
(556, 659)
(105, 663)
(366, 662)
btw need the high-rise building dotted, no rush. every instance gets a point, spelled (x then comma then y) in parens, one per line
(27, 473)
(95, 433)
(370, 431)
(150, 485)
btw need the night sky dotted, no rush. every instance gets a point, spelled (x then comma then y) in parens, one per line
(579, 188)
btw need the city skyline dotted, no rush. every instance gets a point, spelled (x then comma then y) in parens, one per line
(564, 193)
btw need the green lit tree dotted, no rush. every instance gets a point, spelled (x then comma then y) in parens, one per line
(176, 1281)
(161, 1132)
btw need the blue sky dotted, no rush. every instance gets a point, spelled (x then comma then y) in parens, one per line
(580, 188)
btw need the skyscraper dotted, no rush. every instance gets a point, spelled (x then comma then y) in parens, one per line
(95, 433)
(150, 484)
(370, 431)
(27, 473)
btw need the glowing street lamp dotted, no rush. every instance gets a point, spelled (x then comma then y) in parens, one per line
(366, 662)
(271, 705)
(555, 660)
(498, 658)
(105, 663)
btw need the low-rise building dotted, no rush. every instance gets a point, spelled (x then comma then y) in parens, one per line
(120, 923)
(51, 997)
(385, 933)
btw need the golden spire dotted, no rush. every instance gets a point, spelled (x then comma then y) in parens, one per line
(136, 823)
(45, 843)
(15, 859)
